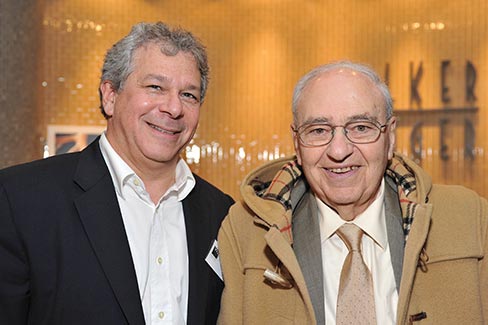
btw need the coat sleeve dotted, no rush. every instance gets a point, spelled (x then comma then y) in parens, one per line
(232, 270)
(14, 281)
(484, 260)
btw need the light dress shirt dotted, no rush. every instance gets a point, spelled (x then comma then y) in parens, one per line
(157, 238)
(376, 255)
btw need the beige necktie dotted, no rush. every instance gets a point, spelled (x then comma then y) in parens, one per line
(355, 302)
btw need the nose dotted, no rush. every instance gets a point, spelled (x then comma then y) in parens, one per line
(339, 148)
(172, 105)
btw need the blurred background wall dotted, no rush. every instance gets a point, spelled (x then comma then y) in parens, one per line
(20, 64)
(433, 54)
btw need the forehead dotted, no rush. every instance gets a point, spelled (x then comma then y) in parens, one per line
(151, 57)
(340, 95)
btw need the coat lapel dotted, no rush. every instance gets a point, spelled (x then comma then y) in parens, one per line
(415, 243)
(307, 247)
(197, 232)
(284, 252)
(100, 214)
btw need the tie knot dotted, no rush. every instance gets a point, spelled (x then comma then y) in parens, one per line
(351, 236)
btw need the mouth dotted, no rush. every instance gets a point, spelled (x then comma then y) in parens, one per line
(159, 129)
(342, 170)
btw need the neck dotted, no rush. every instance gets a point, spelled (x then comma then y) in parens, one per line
(157, 176)
(348, 213)
(157, 180)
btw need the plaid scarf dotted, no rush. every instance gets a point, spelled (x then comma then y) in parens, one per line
(404, 177)
(281, 186)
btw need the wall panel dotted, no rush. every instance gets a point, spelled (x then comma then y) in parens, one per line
(259, 48)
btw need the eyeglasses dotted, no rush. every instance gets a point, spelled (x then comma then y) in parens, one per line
(321, 134)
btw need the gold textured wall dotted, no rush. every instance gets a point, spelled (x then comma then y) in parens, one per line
(259, 48)
(19, 49)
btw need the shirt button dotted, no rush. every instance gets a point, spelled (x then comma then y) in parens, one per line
(136, 182)
(160, 260)
(161, 315)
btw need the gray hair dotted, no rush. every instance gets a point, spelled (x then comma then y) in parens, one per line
(358, 67)
(118, 61)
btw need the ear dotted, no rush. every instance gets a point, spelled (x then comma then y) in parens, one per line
(108, 97)
(392, 137)
(296, 144)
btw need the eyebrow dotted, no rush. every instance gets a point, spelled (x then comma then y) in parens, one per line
(155, 77)
(325, 120)
(316, 120)
(362, 117)
(163, 79)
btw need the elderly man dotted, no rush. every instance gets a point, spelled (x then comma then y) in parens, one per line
(122, 232)
(349, 232)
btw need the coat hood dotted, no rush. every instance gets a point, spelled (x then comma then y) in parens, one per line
(273, 190)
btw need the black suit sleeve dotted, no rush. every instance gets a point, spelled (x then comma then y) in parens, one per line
(14, 280)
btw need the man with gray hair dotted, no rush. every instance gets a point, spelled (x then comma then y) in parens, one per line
(121, 232)
(348, 231)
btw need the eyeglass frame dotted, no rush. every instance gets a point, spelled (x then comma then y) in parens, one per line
(381, 128)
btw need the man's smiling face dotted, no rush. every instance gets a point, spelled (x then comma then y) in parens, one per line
(344, 175)
(156, 112)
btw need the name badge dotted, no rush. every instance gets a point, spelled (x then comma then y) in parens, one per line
(213, 259)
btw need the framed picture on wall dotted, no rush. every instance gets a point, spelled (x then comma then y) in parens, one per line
(70, 138)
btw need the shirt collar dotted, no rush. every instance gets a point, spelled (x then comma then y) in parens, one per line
(371, 221)
(121, 172)
(184, 181)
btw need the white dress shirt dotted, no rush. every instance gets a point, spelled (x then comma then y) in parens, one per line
(376, 255)
(157, 238)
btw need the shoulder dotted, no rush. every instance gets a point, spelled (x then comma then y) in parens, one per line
(37, 192)
(207, 200)
(456, 198)
(208, 191)
(242, 225)
(240, 217)
(459, 220)
(44, 171)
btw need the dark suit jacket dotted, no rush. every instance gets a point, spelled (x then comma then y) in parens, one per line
(64, 253)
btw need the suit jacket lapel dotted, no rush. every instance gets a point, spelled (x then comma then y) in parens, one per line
(198, 241)
(307, 247)
(100, 214)
(394, 228)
